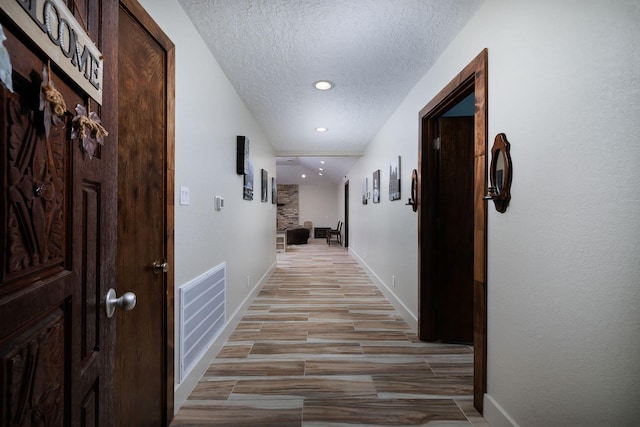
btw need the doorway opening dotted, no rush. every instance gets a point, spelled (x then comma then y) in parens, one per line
(452, 220)
(346, 214)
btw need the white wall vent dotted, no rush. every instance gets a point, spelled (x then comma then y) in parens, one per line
(202, 315)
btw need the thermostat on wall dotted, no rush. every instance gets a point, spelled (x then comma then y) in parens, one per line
(219, 203)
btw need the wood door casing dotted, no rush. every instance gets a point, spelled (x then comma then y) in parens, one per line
(57, 244)
(144, 349)
(454, 231)
(472, 78)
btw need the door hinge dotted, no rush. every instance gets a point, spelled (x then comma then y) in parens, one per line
(436, 143)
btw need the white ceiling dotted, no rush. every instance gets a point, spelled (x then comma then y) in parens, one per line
(290, 169)
(374, 51)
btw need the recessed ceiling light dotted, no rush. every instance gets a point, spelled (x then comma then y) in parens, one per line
(320, 169)
(322, 161)
(304, 176)
(321, 129)
(320, 173)
(323, 85)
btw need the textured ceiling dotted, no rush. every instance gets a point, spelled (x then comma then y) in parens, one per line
(374, 51)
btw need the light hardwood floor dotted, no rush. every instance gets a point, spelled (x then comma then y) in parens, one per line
(321, 346)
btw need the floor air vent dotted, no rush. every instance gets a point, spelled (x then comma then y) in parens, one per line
(202, 315)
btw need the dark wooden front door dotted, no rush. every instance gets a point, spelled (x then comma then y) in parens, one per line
(57, 242)
(144, 353)
(454, 230)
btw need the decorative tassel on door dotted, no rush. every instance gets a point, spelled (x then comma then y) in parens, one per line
(88, 128)
(51, 101)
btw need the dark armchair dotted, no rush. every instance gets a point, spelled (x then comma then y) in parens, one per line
(297, 236)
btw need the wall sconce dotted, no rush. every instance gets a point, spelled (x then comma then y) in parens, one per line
(413, 201)
(500, 174)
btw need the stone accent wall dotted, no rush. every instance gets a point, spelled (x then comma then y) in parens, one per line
(287, 206)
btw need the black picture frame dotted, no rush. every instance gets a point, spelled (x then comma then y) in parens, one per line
(242, 155)
(264, 193)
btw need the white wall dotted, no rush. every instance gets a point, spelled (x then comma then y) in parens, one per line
(563, 261)
(318, 204)
(209, 115)
(383, 236)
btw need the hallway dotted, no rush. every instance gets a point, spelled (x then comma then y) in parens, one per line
(322, 346)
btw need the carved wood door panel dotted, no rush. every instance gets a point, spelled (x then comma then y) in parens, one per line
(57, 243)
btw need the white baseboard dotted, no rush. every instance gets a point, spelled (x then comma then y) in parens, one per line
(184, 389)
(406, 314)
(495, 414)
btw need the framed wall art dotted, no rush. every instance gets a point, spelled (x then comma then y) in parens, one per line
(376, 186)
(247, 189)
(394, 180)
(274, 191)
(365, 191)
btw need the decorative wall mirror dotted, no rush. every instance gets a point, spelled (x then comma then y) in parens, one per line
(413, 201)
(500, 173)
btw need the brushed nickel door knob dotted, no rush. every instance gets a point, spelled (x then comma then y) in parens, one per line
(125, 302)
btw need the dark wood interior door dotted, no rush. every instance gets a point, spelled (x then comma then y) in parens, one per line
(144, 350)
(454, 230)
(346, 214)
(57, 242)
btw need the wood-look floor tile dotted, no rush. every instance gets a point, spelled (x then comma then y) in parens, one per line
(275, 318)
(307, 326)
(212, 390)
(455, 369)
(320, 346)
(414, 349)
(265, 348)
(246, 414)
(307, 387)
(371, 307)
(258, 307)
(249, 326)
(291, 335)
(256, 368)
(382, 326)
(234, 351)
(366, 367)
(350, 316)
(381, 412)
(359, 336)
(388, 385)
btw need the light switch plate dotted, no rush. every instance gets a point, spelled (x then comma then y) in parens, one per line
(184, 196)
